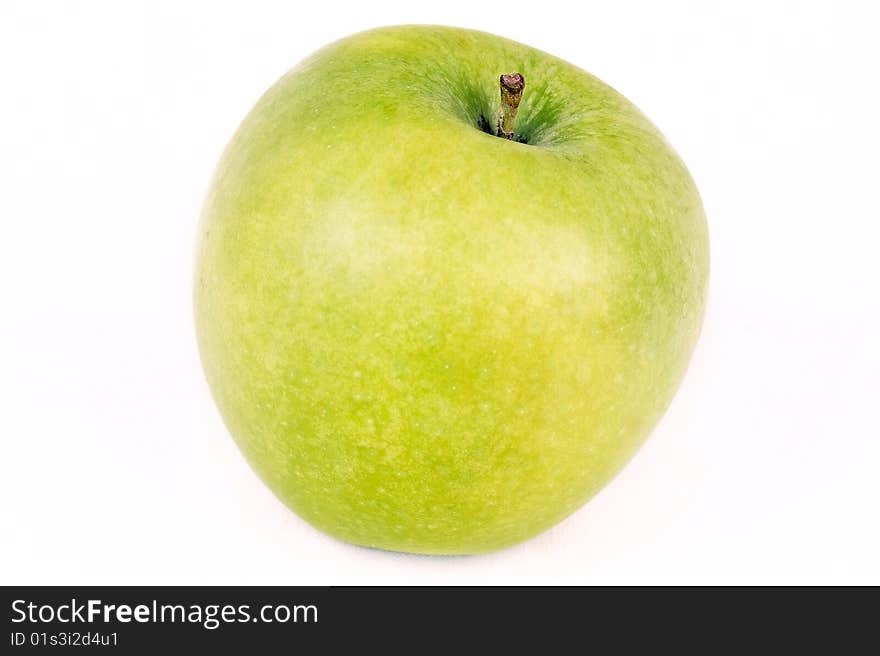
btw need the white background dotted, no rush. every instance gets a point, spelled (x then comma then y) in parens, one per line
(115, 465)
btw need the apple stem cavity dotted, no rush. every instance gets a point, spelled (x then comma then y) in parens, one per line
(512, 86)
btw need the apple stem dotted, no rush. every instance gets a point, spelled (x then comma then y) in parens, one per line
(512, 86)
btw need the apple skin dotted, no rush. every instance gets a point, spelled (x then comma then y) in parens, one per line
(429, 339)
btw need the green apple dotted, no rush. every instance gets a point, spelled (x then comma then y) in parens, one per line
(438, 312)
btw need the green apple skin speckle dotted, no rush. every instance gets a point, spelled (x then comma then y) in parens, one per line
(429, 339)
